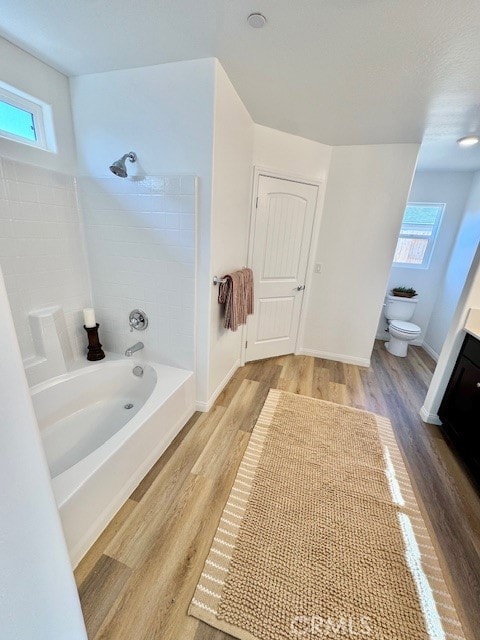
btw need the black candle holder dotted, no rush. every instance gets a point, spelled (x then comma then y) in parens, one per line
(95, 351)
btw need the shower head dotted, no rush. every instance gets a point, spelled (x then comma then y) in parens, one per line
(118, 167)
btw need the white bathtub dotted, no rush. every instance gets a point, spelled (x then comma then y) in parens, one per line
(98, 450)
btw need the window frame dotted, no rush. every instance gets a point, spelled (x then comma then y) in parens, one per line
(41, 114)
(432, 239)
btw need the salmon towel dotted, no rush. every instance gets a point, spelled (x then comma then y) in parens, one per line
(236, 293)
(248, 288)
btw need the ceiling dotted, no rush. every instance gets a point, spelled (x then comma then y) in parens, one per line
(337, 71)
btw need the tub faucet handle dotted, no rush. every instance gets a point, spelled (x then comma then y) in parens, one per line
(138, 320)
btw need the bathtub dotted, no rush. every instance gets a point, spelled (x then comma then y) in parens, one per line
(103, 428)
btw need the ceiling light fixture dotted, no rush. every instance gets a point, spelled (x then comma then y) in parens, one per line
(468, 141)
(256, 20)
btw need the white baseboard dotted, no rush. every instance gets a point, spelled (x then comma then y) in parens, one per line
(339, 357)
(433, 354)
(430, 418)
(206, 406)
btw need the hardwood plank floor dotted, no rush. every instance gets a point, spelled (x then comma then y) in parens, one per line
(137, 580)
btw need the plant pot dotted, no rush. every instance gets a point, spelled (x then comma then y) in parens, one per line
(402, 294)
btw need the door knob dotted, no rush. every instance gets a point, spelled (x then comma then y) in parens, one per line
(300, 287)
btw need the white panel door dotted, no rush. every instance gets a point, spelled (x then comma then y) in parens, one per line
(283, 222)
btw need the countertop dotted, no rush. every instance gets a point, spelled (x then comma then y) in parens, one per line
(472, 323)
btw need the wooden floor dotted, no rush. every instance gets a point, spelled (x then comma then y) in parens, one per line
(137, 580)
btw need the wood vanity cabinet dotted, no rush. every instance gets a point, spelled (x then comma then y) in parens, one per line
(460, 408)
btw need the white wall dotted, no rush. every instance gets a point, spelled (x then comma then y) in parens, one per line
(460, 259)
(469, 299)
(451, 188)
(42, 253)
(165, 114)
(38, 597)
(22, 71)
(290, 154)
(141, 245)
(232, 172)
(365, 198)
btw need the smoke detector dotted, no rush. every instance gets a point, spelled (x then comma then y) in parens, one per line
(256, 20)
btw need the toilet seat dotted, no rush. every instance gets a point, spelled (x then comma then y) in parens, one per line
(405, 327)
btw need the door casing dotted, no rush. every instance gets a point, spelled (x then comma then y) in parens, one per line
(317, 182)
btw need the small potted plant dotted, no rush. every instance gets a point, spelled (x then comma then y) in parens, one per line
(404, 292)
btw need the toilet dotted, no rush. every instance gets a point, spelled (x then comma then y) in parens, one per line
(398, 312)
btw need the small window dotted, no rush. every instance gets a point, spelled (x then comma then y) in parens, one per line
(25, 119)
(418, 233)
(17, 122)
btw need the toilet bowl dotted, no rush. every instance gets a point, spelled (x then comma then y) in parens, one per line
(398, 312)
(401, 334)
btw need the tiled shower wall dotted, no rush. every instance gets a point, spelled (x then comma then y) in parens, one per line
(41, 249)
(141, 247)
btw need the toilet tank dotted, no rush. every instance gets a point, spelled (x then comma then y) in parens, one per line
(400, 308)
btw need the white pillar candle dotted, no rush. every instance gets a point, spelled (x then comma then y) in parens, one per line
(89, 318)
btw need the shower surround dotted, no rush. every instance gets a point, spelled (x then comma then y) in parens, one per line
(141, 246)
(42, 252)
(140, 236)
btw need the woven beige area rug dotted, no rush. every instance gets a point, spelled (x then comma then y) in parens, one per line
(322, 536)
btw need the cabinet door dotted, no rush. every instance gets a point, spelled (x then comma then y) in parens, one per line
(462, 405)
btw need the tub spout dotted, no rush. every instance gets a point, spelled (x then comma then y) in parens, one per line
(136, 347)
